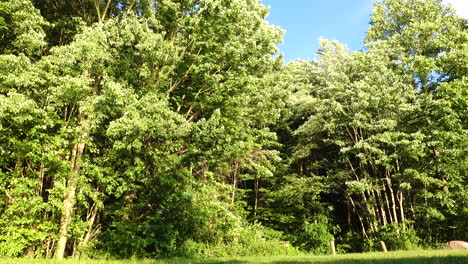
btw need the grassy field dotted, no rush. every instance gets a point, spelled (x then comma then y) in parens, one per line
(396, 257)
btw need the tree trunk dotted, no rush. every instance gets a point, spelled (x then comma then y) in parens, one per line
(392, 196)
(382, 245)
(257, 179)
(388, 205)
(400, 205)
(363, 229)
(332, 246)
(234, 181)
(41, 179)
(91, 219)
(50, 244)
(378, 212)
(30, 252)
(70, 192)
(413, 212)
(50, 247)
(350, 227)
(371, 212)
(382, 208)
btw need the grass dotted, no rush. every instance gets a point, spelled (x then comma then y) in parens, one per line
(395, 257)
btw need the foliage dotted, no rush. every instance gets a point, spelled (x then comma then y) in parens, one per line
(151, 129)
(397, 238)
(378, 131)
(21, 28)
(248, 240)
(315, 237)
(112, 134)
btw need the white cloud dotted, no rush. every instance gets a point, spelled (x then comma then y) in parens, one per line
(461, 6)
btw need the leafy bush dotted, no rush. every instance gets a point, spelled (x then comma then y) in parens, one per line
(315, 237)
(395, 237)
(249, 240)
(351, 242)
(398, 238)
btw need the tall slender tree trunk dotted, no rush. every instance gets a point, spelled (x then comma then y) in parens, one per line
(390, 216)
(41, 179)
(234, 181)
(370, 211)
(257, 182)
(49, 247)
(382, 208)
(376, 206)
(350, 226)
(70, 192)
(392, 196)
(400, 205)
(90, 219)
(413, 212)
(363, 228)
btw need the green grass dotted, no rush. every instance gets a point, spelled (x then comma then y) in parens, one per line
(395, 257)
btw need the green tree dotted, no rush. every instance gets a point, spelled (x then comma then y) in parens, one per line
(21, 29)
(353, 105)
(128, 119)
(428, 41)
(384, 131)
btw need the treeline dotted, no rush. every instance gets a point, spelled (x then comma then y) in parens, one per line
(170, 128)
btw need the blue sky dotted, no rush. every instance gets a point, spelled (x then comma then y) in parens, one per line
(306, 20)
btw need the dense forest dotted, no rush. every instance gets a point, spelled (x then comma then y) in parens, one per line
(160, 128)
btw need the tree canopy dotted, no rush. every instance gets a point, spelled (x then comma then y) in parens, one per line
(172, 128)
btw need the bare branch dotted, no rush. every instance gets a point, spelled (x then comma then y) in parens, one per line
(98, 10)
(105, 10)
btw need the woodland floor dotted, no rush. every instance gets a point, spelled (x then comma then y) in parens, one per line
(395, 257)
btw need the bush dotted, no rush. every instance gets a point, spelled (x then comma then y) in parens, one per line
(395, 238)
(351, 242)
(250, 240)
(315, 237)
(398, 238)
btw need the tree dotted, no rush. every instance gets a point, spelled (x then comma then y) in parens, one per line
(132, 115)
(426, 37)
(353, 105)
(374, 125)
(428, 41)
(21, 28)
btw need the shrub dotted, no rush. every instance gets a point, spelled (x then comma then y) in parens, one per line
(250, 240)
(398, 238)
(315, 237)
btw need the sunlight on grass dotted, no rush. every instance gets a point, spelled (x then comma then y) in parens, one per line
(394, 257)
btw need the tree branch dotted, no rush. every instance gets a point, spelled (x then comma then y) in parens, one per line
(105, 10)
